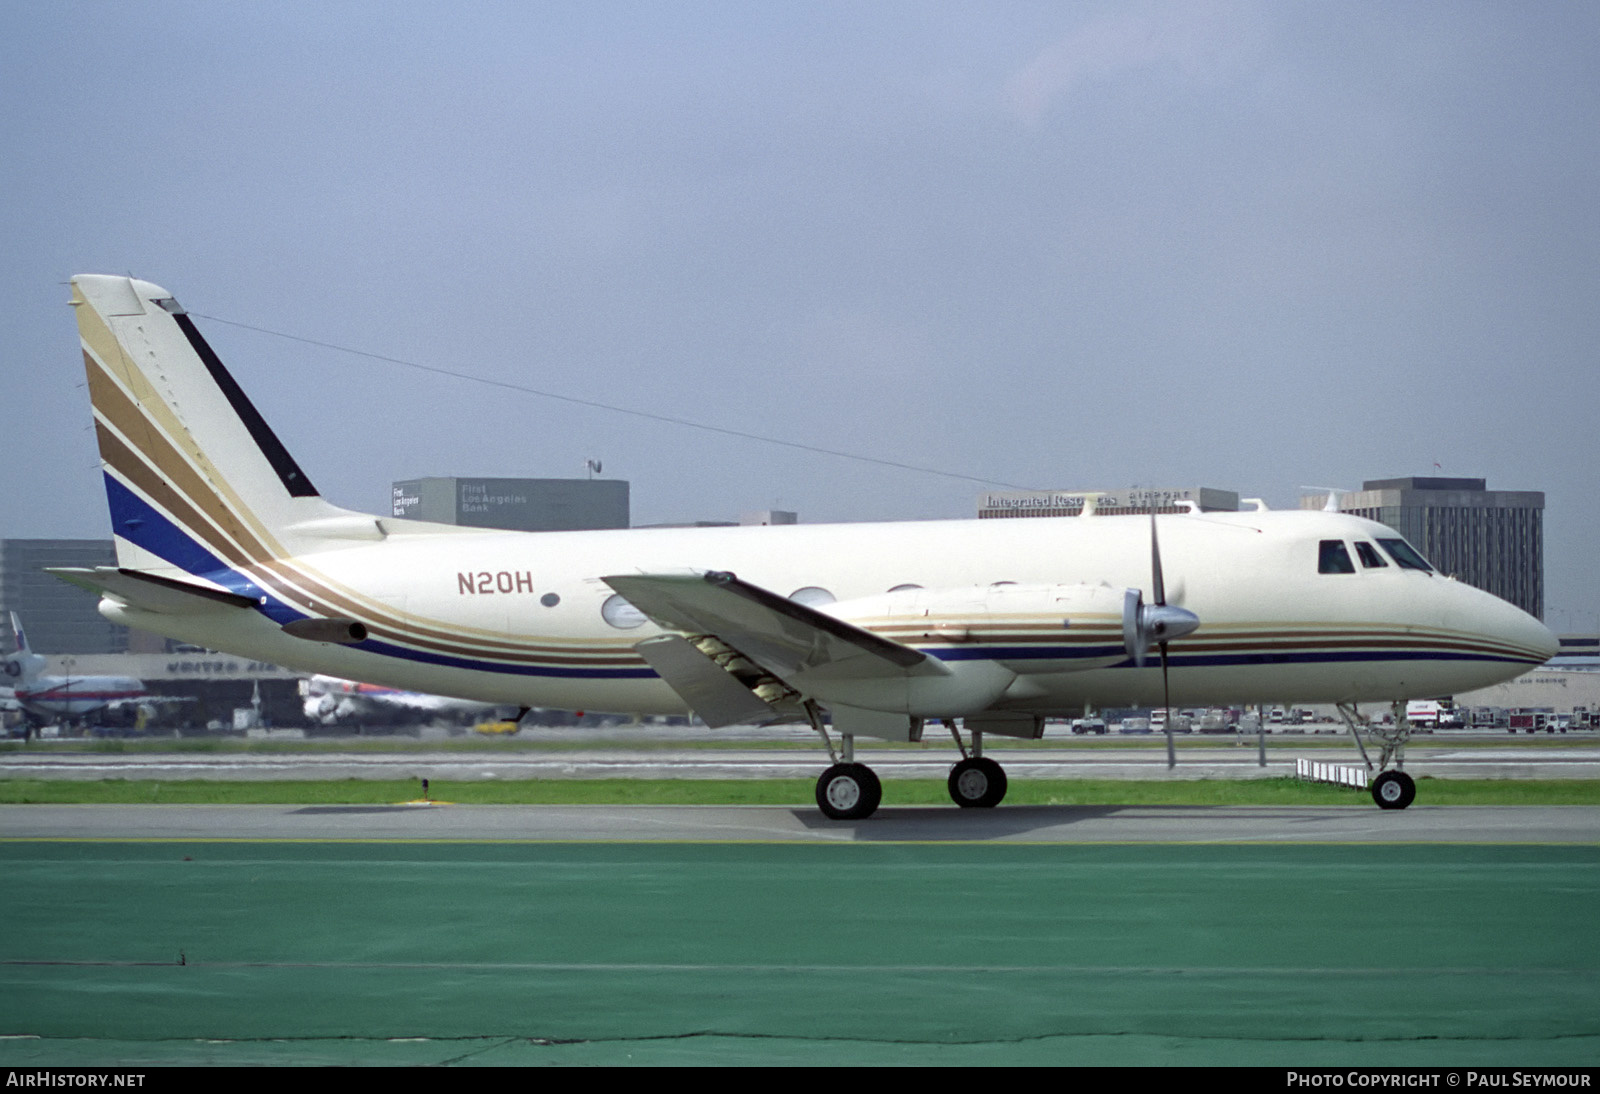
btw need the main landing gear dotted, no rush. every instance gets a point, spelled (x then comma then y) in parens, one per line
(848, 791)
(976, 782)
(851, 791)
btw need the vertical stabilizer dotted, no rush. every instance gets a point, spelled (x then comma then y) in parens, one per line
(24, 666)
(196, 480)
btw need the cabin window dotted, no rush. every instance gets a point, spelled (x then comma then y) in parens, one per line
(812, 596)
(1368, 554)
(1406, 555)
(904, 588)
(1332, 558)
(621, 614)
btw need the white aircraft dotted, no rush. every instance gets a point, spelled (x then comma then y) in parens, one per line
(62, 696)
(330, 700)
(223, 541)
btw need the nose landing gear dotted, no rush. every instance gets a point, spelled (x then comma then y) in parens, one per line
(1394, 790)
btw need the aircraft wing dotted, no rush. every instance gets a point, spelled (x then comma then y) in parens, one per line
(781, 635)
(152, 593)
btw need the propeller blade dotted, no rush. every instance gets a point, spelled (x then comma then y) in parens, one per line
(1158, 585)
(1146, 625)
(1166, 698)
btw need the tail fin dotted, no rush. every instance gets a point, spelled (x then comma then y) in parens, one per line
(24, 667)
(196, 480)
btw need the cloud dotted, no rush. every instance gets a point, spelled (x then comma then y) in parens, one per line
(1203, 43)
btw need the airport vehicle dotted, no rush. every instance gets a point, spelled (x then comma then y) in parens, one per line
(51, 696)
(987, 626)
(1425, 712)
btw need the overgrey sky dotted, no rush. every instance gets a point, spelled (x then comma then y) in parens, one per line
(1242, 245)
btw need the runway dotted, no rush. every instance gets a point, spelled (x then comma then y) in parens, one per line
(605, 934)
(1532, 759)
(491, 935)
(1353, 824)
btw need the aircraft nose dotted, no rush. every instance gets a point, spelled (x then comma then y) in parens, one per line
(1514, 630)
(1547, 641)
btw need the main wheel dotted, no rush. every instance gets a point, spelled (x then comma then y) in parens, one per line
(848, 792)
(1393, 790)
(978, 783)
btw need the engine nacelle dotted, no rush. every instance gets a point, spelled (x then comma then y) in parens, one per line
(984, 636)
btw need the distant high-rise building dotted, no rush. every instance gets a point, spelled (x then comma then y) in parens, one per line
(58, 617)
(521, 505)
(1137, 499)
(1491, 539)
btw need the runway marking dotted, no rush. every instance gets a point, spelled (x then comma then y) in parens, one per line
(798, 841)
(1341, 971)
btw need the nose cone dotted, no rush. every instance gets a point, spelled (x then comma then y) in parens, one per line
(1548, 643)
(1504, 632)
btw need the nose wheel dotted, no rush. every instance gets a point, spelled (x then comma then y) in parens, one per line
(1394, 790)
(977, 783)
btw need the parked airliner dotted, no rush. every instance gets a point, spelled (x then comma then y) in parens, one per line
(986, 626)
(49, 696)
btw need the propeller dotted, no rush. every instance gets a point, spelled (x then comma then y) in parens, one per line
(1156, 624)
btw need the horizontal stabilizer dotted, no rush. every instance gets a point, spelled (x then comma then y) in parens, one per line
(709, 690)
(151, 593)
(781, 635)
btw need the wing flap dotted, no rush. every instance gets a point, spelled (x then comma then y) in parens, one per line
(708, 689)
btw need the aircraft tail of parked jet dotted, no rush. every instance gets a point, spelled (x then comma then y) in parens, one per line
(24, 666)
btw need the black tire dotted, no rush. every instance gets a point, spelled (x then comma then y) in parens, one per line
(1394, 790)
(977, 783)
(848, 792)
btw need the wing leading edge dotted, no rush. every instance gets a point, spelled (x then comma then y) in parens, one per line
(784, 637)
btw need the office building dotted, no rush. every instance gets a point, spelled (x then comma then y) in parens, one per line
(59, 618)
(518, 505)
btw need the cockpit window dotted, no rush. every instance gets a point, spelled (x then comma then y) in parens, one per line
(1332, 558)
(1406, 555)
(1368, 554)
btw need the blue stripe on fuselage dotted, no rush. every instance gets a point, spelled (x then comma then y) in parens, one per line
(1198, 660)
